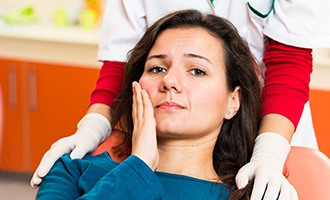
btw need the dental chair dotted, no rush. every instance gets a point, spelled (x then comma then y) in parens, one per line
(308, 170)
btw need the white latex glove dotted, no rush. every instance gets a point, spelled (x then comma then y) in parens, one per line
(266, 167)
(92, 129)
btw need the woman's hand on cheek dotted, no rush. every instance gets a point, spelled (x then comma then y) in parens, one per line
(144, 139)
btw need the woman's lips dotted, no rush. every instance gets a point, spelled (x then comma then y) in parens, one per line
(169, 106)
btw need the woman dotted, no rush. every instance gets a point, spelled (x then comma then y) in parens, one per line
(192, 118)
(276, 31)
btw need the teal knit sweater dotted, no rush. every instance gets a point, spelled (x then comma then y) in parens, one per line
(99, 177)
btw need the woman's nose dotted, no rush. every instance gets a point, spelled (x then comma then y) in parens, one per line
(172, 81)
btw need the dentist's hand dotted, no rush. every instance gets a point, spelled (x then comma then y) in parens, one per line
(144, 139)
(92, 129)
(266, 167)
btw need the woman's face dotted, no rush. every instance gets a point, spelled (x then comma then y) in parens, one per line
(184, 76)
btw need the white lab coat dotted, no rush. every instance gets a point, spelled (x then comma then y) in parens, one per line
(296, 22)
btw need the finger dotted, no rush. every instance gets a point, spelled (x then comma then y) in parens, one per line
(139, 103)
(35, 180)
(243, 176)
(149, 119)
(58, 149)
(133, 102)
(136, 103)
(288, 192)
(147, 105)
(259, 186)
(49, 158)
(294, 193)
(272, 191)
(284, 194)
(78, 152)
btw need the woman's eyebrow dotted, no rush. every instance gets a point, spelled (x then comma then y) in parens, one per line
(157, 56)
(192, 55)
(188, 55)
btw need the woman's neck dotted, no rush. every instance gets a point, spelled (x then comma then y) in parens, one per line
(187, 158)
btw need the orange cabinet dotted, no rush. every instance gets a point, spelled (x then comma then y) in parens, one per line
(12, 153)
(42, 103)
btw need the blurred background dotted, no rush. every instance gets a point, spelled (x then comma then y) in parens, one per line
(48, 68)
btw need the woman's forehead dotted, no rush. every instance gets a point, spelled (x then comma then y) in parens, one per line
(190, 39)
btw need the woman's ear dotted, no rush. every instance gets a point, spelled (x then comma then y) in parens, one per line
(234, 103)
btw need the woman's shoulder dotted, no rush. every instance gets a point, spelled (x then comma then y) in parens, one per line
(99, 161)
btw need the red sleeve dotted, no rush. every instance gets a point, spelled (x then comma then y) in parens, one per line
(287, 78)
(109, 83)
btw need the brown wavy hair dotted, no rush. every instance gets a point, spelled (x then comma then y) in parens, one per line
(235, 142)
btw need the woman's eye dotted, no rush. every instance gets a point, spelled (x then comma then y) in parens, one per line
(157, 70)
(198, 72)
